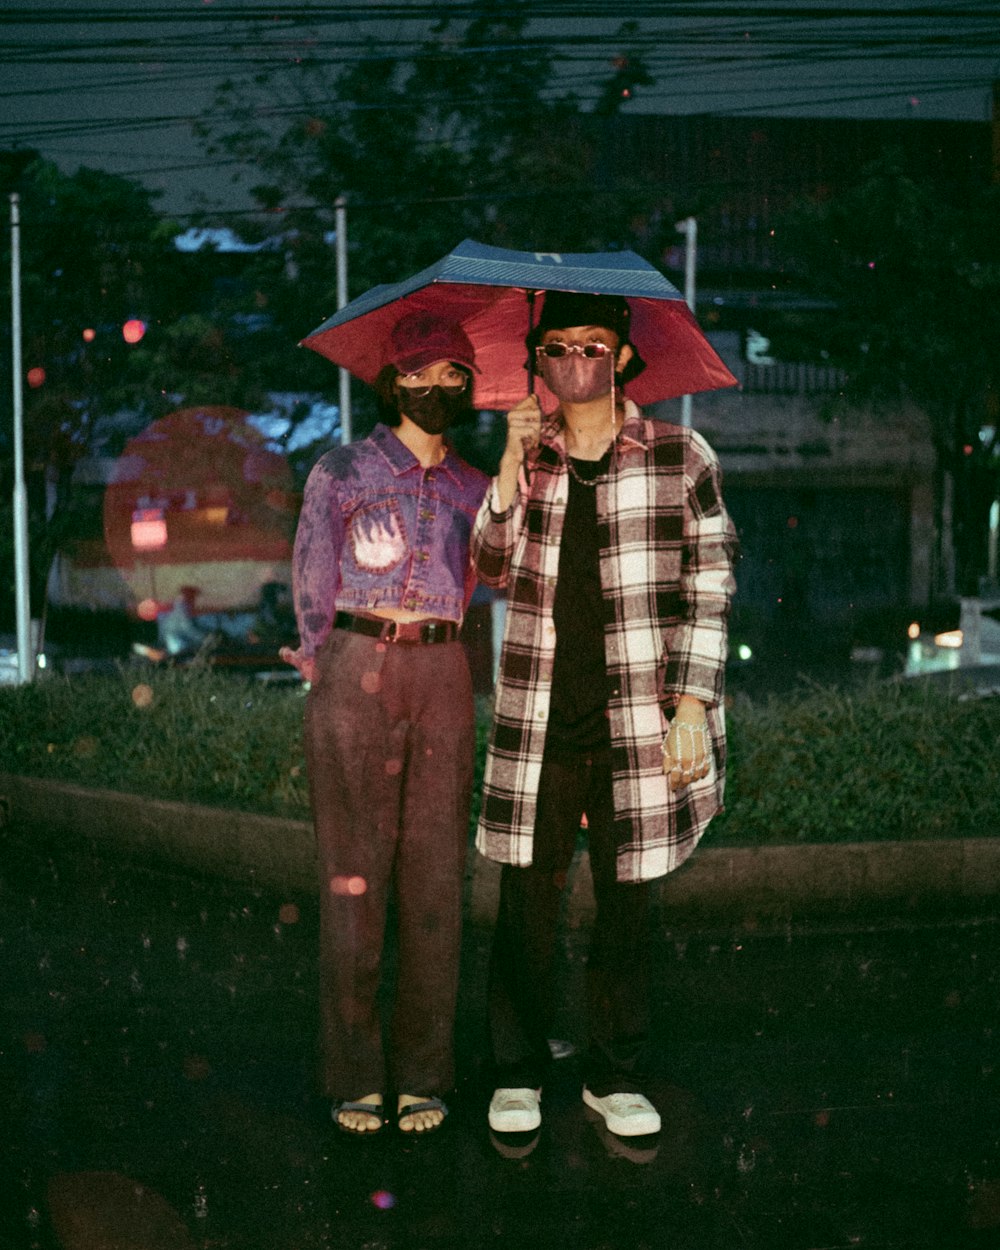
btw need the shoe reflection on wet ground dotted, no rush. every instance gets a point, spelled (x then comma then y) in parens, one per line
(822, 1087)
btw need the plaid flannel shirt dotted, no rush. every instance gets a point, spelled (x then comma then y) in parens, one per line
(667, 547)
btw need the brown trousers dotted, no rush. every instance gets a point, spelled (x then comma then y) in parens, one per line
(390, 736)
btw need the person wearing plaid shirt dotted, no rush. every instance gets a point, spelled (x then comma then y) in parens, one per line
(608, 534)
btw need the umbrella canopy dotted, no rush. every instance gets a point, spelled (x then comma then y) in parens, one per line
(490, 292)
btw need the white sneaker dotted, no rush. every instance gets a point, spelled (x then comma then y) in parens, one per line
(515, 1110)
(628, 1115)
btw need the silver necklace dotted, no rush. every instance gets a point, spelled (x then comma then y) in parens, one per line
(592, 482)
(588, 481)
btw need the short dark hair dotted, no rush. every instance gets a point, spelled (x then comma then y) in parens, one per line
(387, 407)
(562, 309)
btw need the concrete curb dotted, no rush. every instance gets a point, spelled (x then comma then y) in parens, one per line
(739, 886)
(239, 845)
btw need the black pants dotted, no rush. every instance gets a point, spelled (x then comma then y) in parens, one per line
(521, 981)
(389, 742)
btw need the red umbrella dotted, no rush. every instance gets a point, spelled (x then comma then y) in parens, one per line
(491, 291)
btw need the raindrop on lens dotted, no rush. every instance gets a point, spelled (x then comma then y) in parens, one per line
(354, 886)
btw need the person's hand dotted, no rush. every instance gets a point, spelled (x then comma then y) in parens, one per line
(687, 748)
(306, 664)
(524, 425)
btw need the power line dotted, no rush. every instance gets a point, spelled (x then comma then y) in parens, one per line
(339, 11)
(168, 48)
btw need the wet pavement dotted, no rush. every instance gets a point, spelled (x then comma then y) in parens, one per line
(819, 1088)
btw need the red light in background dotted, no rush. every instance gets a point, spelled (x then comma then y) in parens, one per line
(89, 335)
(133, 330)
(149, 529)
(36, 377)
(147, 610)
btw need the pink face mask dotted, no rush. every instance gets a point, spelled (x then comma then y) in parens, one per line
(575, 379)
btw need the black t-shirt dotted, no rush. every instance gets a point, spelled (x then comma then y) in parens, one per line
(578, 719)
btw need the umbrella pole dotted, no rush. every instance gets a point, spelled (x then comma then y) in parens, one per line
(531, 355)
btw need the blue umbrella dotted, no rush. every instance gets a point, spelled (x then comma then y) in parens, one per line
(490, 291)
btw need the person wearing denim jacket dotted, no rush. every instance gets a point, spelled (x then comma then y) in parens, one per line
(381, 581)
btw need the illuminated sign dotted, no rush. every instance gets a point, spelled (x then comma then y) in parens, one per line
(149, 529)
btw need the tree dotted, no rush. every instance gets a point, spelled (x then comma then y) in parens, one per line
(117, 323)
(94, 257)
(915, 273)
(470, 135)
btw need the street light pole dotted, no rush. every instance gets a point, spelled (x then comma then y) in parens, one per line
(25, 660)
(340, 207)
(689, 228)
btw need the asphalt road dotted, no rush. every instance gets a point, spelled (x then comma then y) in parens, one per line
(819, 1088)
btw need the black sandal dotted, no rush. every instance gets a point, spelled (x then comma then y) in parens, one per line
(375, 1109)
(429, 1104)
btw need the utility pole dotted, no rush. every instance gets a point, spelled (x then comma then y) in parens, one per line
(689, 228)
(25, 659)
(340, 207)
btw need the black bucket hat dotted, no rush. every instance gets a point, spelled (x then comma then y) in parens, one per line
(562, 309)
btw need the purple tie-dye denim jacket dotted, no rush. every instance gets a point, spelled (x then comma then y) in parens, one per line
(377, 530)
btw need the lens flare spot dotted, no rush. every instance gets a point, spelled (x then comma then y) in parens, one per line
(142, 695)
(36, 377)
(147, 610)
(371, 683)
(89, 334)
(133, 330)
(196, 1067)
(382, 1199)
(353, 887)
(288, 913)
(393, 768)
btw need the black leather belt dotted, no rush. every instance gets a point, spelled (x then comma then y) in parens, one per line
(397, 631)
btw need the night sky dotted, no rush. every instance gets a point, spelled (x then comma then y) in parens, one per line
(117, 87)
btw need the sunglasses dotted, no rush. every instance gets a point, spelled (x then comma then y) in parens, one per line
(589, 351)
(419, 390)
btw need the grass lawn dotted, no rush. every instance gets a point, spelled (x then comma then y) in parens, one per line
(887, 761)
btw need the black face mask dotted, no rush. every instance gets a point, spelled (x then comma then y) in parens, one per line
(433, 412)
